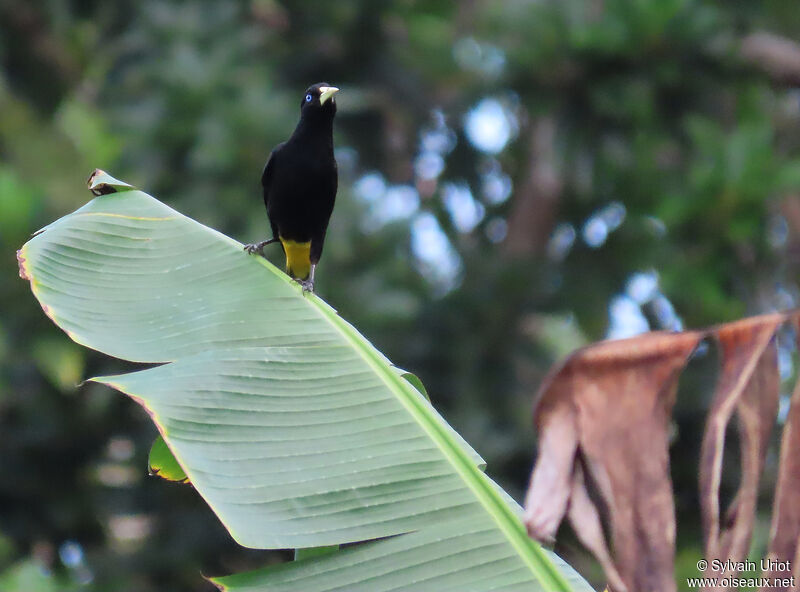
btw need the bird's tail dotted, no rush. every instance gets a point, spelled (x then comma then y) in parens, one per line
(298, 258)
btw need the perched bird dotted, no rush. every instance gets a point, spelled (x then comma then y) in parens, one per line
(300, 181)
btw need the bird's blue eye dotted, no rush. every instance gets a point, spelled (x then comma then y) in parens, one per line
(308, 98)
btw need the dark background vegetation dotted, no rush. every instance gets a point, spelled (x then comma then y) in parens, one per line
(516, 179)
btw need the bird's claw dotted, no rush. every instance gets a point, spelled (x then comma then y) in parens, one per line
(255, 248)
(307, 285)
(259, 247)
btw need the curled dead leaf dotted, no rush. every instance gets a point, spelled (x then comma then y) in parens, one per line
(603, 421)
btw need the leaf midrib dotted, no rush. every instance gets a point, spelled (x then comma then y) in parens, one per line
(530, 552)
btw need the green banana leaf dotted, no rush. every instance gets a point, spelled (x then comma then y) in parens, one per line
(162, 462)
(291, 425)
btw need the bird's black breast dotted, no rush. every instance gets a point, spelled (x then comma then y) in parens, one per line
(300, 189)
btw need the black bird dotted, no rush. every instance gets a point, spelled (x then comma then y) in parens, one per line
(300, 181)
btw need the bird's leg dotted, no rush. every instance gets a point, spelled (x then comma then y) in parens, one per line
(259, 247)
(308, 284)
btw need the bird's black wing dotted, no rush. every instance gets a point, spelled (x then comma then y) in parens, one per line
(266, 176)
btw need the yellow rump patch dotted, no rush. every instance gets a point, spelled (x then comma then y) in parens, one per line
(298, 258)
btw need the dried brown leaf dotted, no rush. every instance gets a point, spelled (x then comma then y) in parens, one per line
(619, 396)
(603, 418)
(748, 385)
(785, 530)
(585, 519)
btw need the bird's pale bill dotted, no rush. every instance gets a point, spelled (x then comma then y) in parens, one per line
(326, 92)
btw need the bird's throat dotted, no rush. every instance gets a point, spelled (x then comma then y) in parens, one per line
(315, 130)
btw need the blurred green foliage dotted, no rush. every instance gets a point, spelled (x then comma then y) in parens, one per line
(675, 170)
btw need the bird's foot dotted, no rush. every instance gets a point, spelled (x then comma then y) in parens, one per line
(253, 248)
(307, 285)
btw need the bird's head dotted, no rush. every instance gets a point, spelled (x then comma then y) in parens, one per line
(319, 99)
